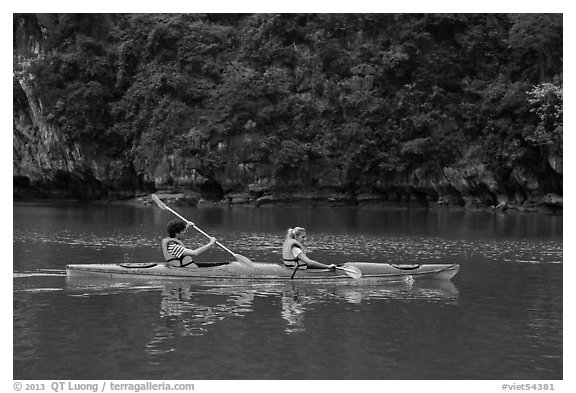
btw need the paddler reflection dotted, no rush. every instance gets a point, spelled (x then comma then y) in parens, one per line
(190, 311)
(293, 308)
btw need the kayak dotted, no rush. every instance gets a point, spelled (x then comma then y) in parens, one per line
(265, 271)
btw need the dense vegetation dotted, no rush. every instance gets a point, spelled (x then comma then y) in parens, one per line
(381, 95)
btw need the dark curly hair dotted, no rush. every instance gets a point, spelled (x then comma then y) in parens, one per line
(174, 227)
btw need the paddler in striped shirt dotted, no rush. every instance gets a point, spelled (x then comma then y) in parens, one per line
(175, 252)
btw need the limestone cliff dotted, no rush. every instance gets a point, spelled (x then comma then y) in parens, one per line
(229, 167)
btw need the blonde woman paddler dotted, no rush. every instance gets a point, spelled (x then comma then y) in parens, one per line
(175, 252)
(294, 252)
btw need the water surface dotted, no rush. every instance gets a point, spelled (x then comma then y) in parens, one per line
(499, 318)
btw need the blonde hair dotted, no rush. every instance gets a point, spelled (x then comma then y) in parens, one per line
(293, 232)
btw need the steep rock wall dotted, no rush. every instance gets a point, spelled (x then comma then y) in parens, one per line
(47, 164)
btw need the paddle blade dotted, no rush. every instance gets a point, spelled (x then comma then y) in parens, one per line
(243, 260)
(160, 204)
(351, 271)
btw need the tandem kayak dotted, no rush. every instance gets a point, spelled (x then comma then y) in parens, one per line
(264, 271)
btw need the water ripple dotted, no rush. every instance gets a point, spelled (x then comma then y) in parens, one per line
(360, 247)
(410, 249)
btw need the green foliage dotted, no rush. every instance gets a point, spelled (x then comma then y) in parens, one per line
(375, 94)
(535, 41)
(546, 100)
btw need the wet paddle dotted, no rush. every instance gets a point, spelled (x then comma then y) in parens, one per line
(351, 271)
(239, 258)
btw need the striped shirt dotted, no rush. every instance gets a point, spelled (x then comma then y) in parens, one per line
(175, 249)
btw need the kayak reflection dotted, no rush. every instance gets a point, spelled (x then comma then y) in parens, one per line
(298, 298)
(191, 309)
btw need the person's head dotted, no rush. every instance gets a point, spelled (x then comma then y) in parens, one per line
(175, 227)
(297, 233)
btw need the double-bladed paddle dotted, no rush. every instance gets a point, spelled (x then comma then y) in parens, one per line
(239, 258)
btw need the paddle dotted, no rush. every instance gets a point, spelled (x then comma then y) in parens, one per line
(351, 271)
(239, 258)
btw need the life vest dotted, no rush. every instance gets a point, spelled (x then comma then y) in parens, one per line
(170, 257)
(294, 262)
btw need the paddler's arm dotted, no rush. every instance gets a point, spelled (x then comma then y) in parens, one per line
(199, 250)
(304, 258)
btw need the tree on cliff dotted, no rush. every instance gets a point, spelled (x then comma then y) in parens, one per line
(359, 99)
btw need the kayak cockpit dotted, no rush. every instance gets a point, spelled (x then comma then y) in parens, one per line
(145, 265)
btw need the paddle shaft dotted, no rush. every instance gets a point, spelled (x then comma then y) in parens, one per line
(349, 272)
(346, 270)
(199, 230)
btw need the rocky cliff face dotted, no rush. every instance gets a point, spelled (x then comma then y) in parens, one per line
(471, 184)
(47, 164)
(42, 159)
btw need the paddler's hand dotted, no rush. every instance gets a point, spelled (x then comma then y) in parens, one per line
(189, 224)
(332, 266)
(212, 241)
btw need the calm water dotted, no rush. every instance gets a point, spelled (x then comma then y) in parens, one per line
(499, 318)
